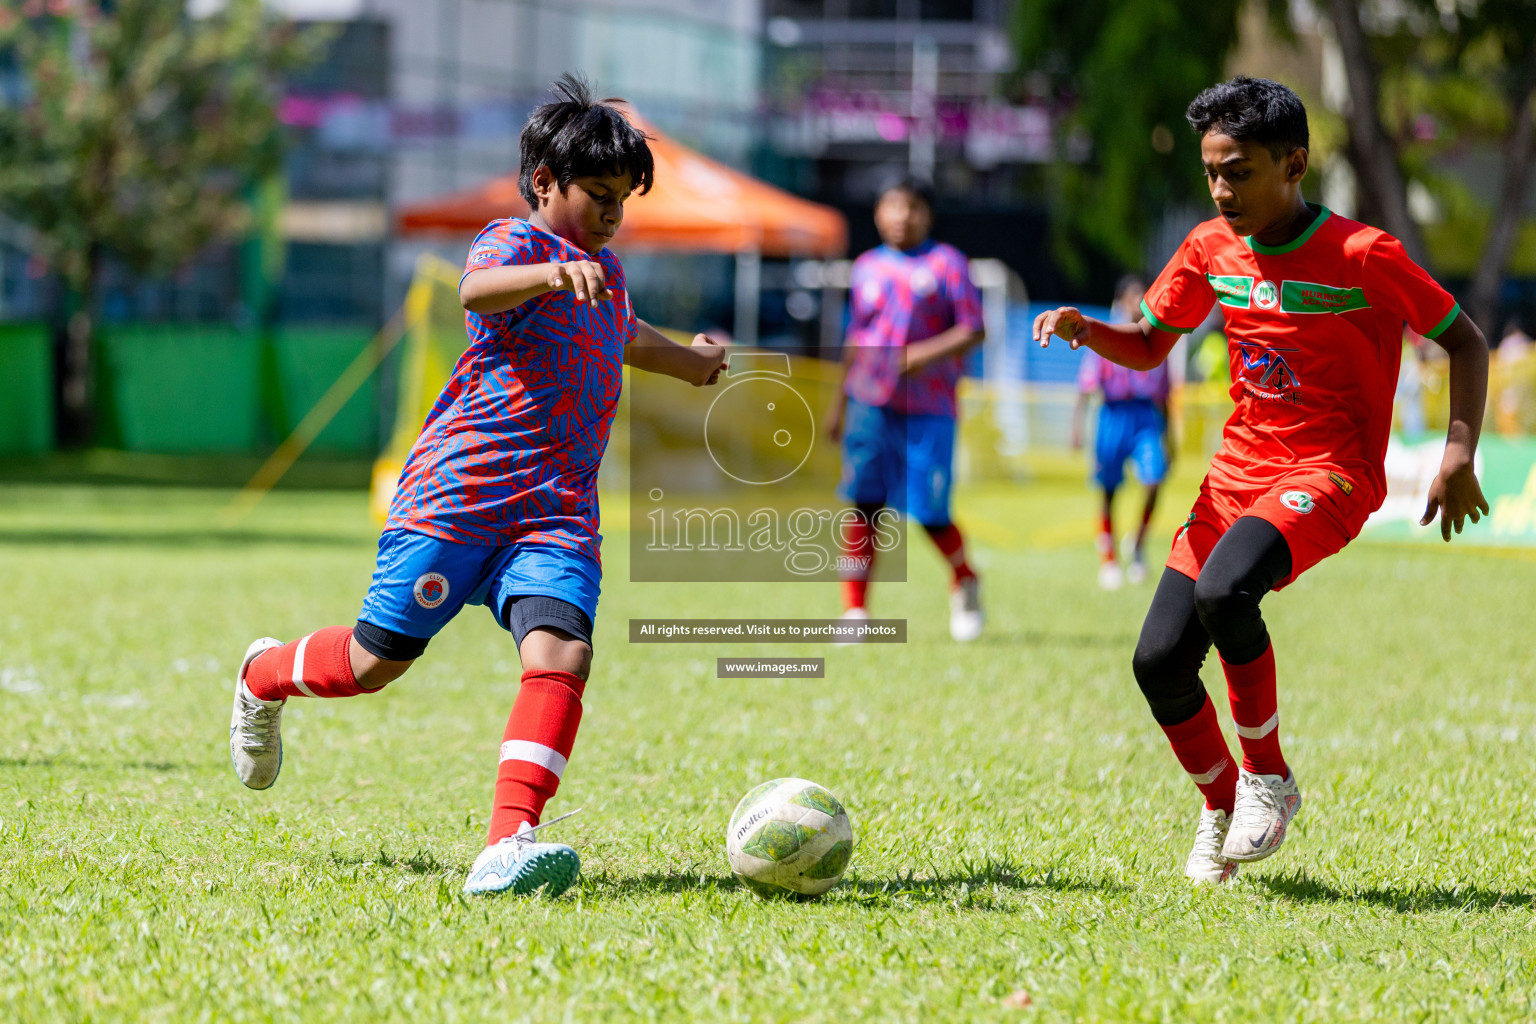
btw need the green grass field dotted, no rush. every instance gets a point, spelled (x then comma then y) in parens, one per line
(1020, 823)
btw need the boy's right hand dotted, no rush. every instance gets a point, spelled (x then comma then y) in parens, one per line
(586, 278)
(712, 360)
(1065, 322)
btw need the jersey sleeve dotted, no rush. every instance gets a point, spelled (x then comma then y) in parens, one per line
(1181, 297)
(1392, 281)
(629, 324)
(964, 296)
(496, 246)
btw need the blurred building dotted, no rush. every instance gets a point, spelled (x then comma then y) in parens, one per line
(858, 92)
(424, 97)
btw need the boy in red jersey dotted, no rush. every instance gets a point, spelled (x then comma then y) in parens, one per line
(1314, 306)
(497, 504)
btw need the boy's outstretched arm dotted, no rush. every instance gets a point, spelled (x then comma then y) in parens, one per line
(1456, 493)
(956, 341)
(1137, 346)
(498, 289)
(698, 364)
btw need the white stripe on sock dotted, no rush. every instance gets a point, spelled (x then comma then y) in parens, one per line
(298, 668)
(537, 753)
(1206, 778)
(1249, 732)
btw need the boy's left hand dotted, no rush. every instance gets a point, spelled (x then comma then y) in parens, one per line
(712, 360)
(1457, 495)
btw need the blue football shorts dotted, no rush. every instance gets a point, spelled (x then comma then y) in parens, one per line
(904, 460)
(1129, 431)
(421, 582)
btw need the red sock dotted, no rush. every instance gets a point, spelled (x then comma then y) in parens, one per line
(1252, 690)
(318, 665)
(1202, 750)
(538, 742)
(858, 536)
(1146, 524)
(952, 546)
(1105, 541)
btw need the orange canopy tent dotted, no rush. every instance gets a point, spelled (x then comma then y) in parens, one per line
(696, 205)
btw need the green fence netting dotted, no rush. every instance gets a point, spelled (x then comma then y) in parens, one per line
(183, 388)
(309, 359)
(26, 390)
(210, 389)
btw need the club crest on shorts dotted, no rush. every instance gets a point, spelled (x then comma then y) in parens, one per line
(431, 589)
(1297, 501)
(1266, 295)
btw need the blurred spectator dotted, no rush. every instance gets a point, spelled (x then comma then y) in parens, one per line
(1514, 379)
(1132, 426)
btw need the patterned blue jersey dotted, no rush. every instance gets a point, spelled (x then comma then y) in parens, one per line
(510, 451)
(899, 298)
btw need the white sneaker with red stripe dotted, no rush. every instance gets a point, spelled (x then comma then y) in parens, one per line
(1206, 865)
(1265, 806)
(521, 864)
(255, 736)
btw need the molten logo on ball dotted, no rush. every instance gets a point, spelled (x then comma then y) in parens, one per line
(789, 837)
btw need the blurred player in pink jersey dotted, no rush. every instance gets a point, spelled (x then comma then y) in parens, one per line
(1132, 425)
(497, 504)
(915, 314)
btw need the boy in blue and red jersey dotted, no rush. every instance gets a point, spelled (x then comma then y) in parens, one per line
(1132, 426)
(915, 314)
(1314, 306)
(497, 503)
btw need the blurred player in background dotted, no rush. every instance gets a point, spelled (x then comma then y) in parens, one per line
(497, 504)
(915, 314)
(1315, 306)
(1132, 425)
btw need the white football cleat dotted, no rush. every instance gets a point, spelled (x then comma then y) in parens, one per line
(1206, 865)
(852, 615)
(1136, 572)
(1265, 806)
(523, 865)
(1110, 577)
(965, 615)
(255, 739)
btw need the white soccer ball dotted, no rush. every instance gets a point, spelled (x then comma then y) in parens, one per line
(789, 837)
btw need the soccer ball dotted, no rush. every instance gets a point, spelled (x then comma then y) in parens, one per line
(789, 837)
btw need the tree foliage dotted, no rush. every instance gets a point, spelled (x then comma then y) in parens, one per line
(136, 129)
(1129, 70)
(1447, 74)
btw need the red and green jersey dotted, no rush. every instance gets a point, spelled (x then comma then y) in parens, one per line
(1315, 333)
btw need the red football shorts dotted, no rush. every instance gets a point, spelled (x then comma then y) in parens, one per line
(1317, 511)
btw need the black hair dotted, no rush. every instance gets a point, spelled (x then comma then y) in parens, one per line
(1252, 110)
(1127, 282)
(913, 186)
(576, 136)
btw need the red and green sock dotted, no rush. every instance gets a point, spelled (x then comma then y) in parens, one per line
(1251, 688)
(1202, 751)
